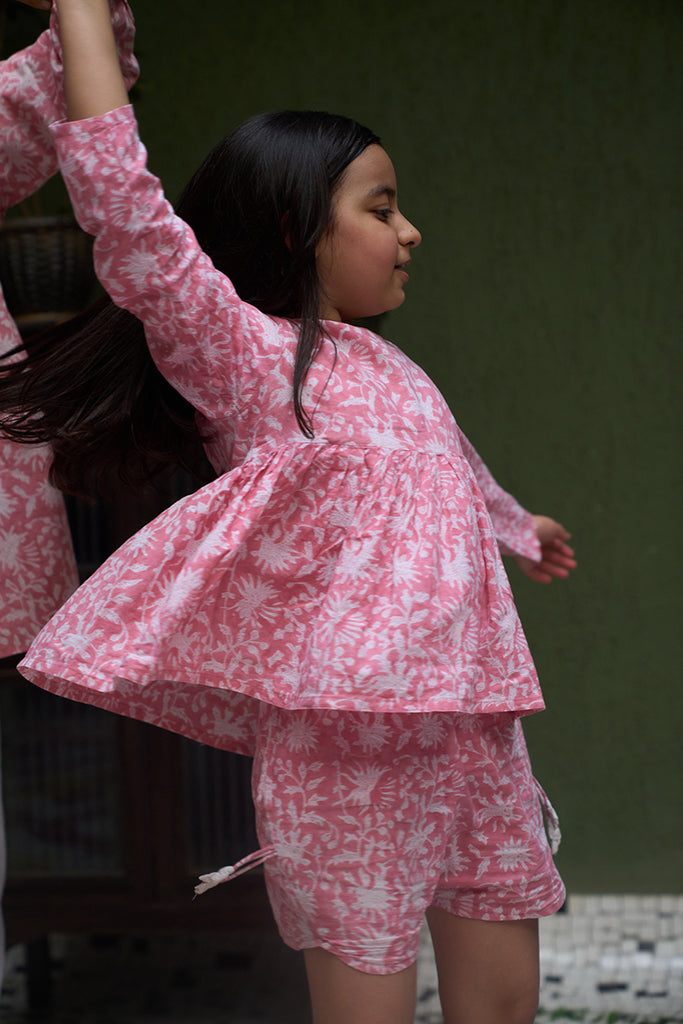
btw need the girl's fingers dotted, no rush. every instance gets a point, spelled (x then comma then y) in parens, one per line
(557, 562)
(550, 568)
(559, 553)
(538, 576)
(553, 570)
(558, 571)
(554, 558)
(558, 545)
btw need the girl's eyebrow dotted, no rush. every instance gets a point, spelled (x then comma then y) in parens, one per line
(382, 190)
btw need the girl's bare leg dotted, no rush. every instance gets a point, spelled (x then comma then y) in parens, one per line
(342, 995)
(488, 970)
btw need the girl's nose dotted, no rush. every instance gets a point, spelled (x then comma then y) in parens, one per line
(409, 235)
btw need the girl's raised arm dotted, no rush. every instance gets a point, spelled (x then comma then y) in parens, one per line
(200, 333)
(92, 75)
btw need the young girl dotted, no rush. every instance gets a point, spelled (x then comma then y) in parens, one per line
(37, 563)
(334, 603)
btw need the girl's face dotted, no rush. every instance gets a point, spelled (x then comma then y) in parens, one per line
(363, 257)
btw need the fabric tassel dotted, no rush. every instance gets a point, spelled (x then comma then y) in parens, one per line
(232, 871)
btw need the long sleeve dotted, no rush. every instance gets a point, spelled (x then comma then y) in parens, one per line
(202, 336)
(512, 524)
(32, 97)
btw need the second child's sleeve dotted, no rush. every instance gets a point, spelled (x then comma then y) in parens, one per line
(32, 97)
(513, 525)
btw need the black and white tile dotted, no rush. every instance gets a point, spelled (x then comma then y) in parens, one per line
(608, 959)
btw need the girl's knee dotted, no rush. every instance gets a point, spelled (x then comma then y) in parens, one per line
(518, 1006)
(488, 970)
(504, 1005)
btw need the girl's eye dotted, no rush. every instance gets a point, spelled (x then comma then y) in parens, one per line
(384, 214)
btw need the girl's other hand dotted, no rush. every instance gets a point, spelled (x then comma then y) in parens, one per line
(40, 5)
(557, 557)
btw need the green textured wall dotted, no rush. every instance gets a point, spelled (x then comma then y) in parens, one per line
(538, 147)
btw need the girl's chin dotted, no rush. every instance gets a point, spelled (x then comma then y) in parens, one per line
(348, 317)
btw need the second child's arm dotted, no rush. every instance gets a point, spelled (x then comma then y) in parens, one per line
(32, 97)
(92, 75)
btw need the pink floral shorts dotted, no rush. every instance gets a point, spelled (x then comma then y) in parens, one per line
(373, 818)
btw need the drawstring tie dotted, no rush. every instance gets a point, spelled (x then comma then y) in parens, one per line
(252, 860)
(227, 873)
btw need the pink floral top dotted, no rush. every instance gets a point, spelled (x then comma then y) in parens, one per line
(37, 564)
(358, 570)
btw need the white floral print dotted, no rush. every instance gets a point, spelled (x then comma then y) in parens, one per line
(37, 564)
(364, 842)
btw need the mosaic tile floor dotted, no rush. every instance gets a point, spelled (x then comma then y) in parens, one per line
(615, 955)
(608, 959)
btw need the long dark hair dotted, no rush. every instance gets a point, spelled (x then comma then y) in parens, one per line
(259, 205)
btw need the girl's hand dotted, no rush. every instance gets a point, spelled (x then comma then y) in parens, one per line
(557, 558)
(40, 5)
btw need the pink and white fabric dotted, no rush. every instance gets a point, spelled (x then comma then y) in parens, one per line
(359, 570)
(37, 565)
(367, 820)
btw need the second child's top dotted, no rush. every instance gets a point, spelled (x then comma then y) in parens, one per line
(37, 563)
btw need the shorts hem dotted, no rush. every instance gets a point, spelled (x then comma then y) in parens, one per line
(502, 913)
(357, 963)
